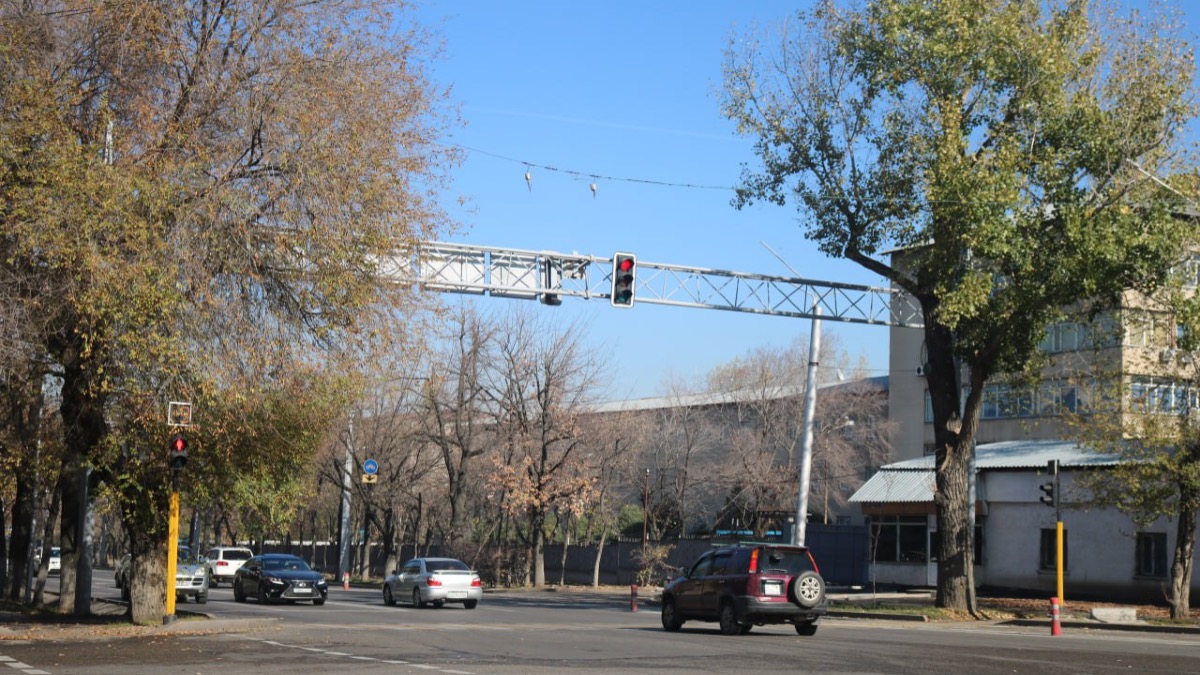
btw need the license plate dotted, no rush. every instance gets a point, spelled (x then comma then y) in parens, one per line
(458, 594)
(773, 588)
(302, 590)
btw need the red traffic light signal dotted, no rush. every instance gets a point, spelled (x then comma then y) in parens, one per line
(177, 457)
(624, 275)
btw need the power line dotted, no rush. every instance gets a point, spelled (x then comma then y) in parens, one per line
(589, 175)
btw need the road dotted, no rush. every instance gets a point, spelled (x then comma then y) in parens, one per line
(542, 632)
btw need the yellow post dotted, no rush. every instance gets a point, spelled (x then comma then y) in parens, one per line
(172, 555)
(1058, 556)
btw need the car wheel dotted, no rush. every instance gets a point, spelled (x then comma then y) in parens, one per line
(416, 600)
(807, 628)
(470, 604)
(202, 598)
(387, 596)
(212, 581)
(262, 594)
(238, 594)
(318, 602)
(670, 617)
(728, 620)
(807, 589)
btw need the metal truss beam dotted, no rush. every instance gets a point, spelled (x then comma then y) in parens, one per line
(549, 277)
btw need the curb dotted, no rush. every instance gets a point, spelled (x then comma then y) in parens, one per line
(1097, 625)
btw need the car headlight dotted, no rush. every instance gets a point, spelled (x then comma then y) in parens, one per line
(276, 581)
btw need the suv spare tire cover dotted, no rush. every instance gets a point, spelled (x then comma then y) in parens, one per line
(807, 589)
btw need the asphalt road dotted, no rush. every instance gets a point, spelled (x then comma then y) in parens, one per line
(541, 632)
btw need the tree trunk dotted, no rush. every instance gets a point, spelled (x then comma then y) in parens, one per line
(47, 534)
(599, 555)
(954, 437)
(24, 508)
(1185, 549)
(148, 587)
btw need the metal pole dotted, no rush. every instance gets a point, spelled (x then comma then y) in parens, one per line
(172, 547)
(347, 470)
(806, 443)
(645, 513)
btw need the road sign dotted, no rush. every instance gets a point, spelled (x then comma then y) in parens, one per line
(370, 467)
(370, 478)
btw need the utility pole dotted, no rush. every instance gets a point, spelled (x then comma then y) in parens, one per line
(806, 442)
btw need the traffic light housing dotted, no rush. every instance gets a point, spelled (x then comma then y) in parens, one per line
(177, 452)
(1050, 490)
(1050, 498)
(624, 275)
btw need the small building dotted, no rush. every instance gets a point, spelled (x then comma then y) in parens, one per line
(1105, 554)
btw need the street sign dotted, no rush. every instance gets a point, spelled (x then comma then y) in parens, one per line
(370, 467)
(179, 414)
(370, 478)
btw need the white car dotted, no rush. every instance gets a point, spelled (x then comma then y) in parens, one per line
(223, 563)
(54, 566)
(433, 581)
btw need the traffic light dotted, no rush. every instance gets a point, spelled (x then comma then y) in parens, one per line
(624, 273)
(1050, 490)
(177, 457)
(1049, 498)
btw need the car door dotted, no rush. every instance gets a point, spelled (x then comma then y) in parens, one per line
(717, 584)
(250, 574)
(404, 579)
(688, 589)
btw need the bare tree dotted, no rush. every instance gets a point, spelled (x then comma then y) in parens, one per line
(544, 378)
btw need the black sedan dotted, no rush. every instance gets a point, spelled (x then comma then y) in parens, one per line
(279, 576)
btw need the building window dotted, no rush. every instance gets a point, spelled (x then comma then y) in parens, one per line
(1151, 554)
(1047, 558)
(935, 544)
(898, 539)
(1157, 395)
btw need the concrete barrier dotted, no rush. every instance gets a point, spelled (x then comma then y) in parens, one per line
(1115, 614)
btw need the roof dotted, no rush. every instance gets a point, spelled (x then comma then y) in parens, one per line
(913, 480)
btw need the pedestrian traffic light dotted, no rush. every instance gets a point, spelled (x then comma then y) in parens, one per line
(1049, 498)
(177, 457)
(624, 274)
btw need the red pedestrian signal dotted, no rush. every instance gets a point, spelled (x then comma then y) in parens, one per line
(177, 457)
(624, 275)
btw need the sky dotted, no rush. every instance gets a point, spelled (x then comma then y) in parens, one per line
(625, 95)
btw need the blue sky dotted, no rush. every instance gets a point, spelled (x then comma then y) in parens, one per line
(616, 93)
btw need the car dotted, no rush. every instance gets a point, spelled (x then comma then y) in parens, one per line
(191, 577)
(279, 576)
(434, 581)
(223, 562)
(54, 565)
(743, 585)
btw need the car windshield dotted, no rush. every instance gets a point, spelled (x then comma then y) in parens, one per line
(445, 566)
(287, 564)
(237, 555)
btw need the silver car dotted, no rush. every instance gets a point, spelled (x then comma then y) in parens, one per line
(434, 581)
(191, 577)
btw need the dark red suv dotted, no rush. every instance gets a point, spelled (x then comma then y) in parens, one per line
(744, 585)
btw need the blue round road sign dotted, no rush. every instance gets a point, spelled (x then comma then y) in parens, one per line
(370, 467)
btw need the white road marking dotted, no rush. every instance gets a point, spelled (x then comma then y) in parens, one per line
(355, 657)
